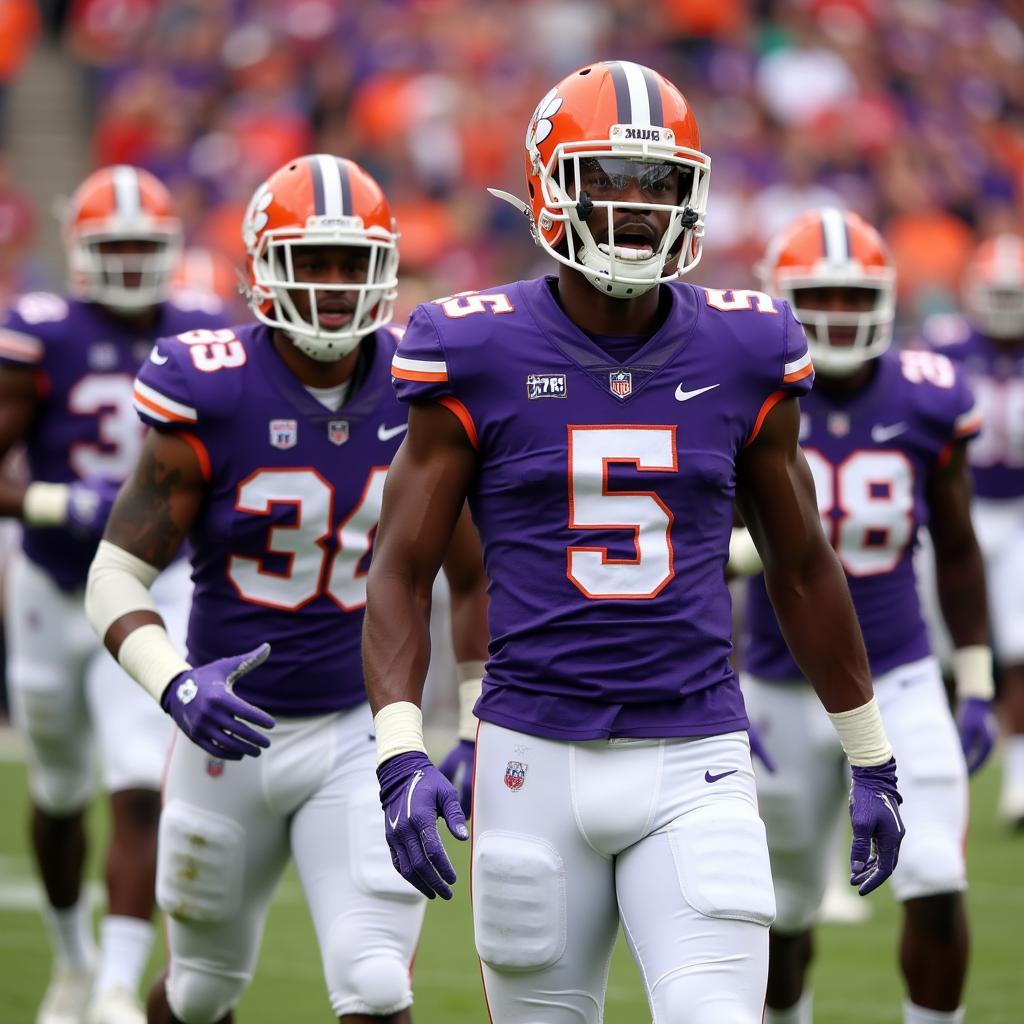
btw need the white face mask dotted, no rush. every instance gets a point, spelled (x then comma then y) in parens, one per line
(274, 280)
(124, 281)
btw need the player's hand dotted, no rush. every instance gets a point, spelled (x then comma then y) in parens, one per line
(457, 768)
(89, 505)
(978, 731)
(413, 794)
(759, 750)
(210, 715)
(877, 826)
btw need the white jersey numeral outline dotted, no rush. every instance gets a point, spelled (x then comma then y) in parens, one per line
(108, 398)
(303, 541)
(592, 506)
(866, 516)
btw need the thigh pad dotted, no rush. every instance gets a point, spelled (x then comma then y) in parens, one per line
(200, 864)
(519, 901)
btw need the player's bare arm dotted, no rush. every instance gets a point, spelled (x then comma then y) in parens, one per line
(423, 498)
(19, 397)
(960, 581)
(153, 514)
(775, 494)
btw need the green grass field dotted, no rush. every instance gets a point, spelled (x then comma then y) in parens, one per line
(855, 980)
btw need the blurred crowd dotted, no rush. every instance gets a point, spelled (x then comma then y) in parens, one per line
(909, 111)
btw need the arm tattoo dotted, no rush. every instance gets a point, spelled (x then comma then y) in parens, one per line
(142, 521)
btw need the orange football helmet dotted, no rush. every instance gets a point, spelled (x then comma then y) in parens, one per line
(993, 287)
(320, 200)
(832, 248)
(123, 238)
(627, 123)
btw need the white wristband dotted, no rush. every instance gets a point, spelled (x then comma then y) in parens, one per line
(471, 675)
(399, 729)
(862, 734)
(743, 557)
(149, 657)
(45, 504)
(972, 671)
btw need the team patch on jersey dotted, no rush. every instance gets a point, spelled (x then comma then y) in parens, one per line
(214, 767)
(515, 775)
(337, 431)
(284, 433)
(103, 355)
(546, 385)
(838, 424)
(620, 383)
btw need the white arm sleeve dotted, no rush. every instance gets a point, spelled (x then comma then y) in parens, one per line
(118, 584)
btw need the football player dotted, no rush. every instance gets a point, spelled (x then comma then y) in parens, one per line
(269, 453)
(602, 422)
(885, 435)
(989, 345)
(66, 370)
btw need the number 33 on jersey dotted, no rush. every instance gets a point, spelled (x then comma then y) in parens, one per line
(294, 494)
(604, 495)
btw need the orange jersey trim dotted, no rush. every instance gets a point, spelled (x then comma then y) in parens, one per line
(769, 403)
(201, 453)
(973, 424)
(154, 407)
(464, 417)
(796, 375)
(427, 375)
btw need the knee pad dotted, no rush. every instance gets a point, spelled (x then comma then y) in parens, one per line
(519, 901)
(721, 858)
(930, 862)
(364, 979)
(200, 864)
(199, 996)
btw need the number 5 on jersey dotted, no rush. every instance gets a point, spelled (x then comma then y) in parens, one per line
(302, 542)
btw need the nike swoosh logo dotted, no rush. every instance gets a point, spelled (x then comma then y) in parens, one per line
(155, 357)
(708, 777)
(412, 789)
(685, 396)
(386, 433)
(880, 434)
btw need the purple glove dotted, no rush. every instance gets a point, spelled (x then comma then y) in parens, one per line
(977, 731)
(457, 768)
(89, 505)
(210, 715)
(413, 793)
(877, 826)
(759, 750)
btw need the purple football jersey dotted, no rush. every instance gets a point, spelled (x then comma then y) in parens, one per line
(604, 497)
(281, 548)
(995, 373)
(870, 456)
(85, 426)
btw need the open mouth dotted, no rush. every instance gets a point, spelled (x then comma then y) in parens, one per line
(633, 243)
(334, 318)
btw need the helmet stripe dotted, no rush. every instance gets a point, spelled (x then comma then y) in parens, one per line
(331, 189)
(346, 188)
(638, 100)
(653, 97)
(127, 195)
(1007, 253)
(318, 185)
(622, 92)
(835, 240)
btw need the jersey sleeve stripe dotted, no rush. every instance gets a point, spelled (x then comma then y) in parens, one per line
(419, 369)
(798, 369)
(201, 453)
(161, 407)
(769, 403)
(969, 423)
(464, 417)
(23, 347)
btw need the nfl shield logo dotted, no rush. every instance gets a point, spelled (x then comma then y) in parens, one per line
(620, 382)
(284, 433)
(515, 775)
(337, 431)
(214, 767)
(838, 424)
